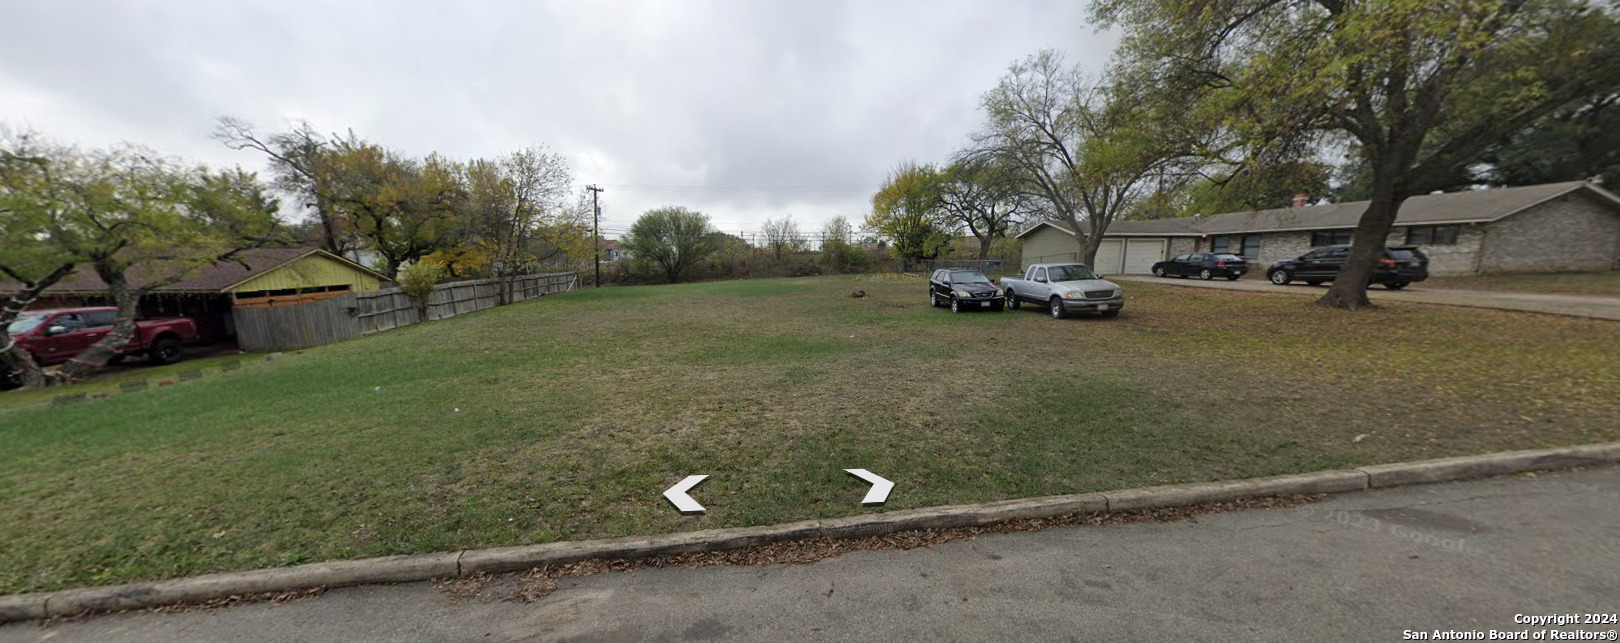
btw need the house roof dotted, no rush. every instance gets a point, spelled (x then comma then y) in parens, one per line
(208, 279)
(1473, 206)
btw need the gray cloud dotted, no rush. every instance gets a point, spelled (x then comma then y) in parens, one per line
(721, 97)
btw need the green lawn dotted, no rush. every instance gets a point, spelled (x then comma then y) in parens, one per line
(1603, 284)
(577, 410)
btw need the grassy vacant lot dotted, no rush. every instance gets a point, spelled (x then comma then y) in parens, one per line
(1602, 284)
(576, 410)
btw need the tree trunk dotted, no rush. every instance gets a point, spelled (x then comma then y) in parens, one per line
(328, 230)
(984, 245)
(1089, 243)
(95, 358)
(1349, 289)
(13, 357)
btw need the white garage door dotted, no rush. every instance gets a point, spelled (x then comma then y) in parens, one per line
(1141, 254)
(1110, 256)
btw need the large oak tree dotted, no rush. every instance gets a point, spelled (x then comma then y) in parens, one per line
(1420, 89)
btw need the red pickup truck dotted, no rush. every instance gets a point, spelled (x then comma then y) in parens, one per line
(55, 336)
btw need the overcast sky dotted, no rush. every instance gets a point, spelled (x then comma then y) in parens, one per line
(742, 110)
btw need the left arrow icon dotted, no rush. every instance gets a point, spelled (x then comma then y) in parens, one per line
(677, 495)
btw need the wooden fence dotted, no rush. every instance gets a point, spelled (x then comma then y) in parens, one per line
(356, 314)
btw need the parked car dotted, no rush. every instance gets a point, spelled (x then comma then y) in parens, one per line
(1398, 267)
(55, 336)
(1203, 265)
(1064, 289)
(963, 289)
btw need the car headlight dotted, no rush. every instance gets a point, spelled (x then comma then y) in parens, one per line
(999, 292)
(1073, 294)
(962, 293)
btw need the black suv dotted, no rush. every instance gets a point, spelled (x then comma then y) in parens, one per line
(963, 289)
(1398, 267)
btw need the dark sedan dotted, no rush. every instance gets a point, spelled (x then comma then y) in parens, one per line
(1203, 265)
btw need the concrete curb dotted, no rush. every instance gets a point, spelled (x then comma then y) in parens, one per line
(419, 567)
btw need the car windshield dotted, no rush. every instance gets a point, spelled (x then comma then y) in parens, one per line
(1071, 272)
(970, 278)
(24, 325)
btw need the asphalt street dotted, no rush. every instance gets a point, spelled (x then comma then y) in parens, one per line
(1465, 557)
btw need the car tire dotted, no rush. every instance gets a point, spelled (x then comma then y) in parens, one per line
(1280, 277)
(933, 299)
(1057, 309)
(166, 350)
(1158, 272)
(1110, 313)
(956, 306)
(1396, 285)
(1012, 301)
(1206, 275)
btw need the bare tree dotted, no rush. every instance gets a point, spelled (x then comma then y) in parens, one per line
(300, 161)
(981, 193)
(782, 237)
(1082, 148)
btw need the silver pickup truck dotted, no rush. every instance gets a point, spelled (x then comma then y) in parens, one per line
(1064, 288)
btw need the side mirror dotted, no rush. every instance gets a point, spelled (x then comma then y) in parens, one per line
(55, 330)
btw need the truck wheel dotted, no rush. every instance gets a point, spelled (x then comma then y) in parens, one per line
(932, 300)
(1280, 277)
(1012, 301)
(165, 351)
(956, 306)
(1057, 309)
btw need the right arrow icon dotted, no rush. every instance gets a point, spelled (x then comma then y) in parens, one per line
(880, 487)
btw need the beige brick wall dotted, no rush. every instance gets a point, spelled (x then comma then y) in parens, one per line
(1572, 233)
(1183, 245)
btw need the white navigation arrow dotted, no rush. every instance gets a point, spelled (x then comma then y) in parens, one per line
(677, 495)
(880, 487)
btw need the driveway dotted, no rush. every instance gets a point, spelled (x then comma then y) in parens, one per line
(1568, 305)
(1357, 567)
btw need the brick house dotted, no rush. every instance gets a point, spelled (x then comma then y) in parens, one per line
(1556, 227)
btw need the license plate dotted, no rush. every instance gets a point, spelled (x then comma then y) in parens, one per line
(984, 304)
(1102, 306)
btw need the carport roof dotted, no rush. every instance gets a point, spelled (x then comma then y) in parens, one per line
(1473, 206)
(214, 278)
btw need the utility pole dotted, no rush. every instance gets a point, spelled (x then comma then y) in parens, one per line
(596, 230)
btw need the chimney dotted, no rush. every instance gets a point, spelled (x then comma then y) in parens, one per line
(1301, 199)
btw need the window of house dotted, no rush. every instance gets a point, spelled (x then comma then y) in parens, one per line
(1330, 237)
(1251, 246)
(1219, 243)
(1435, 235)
